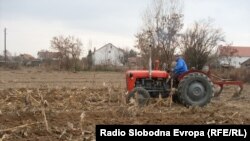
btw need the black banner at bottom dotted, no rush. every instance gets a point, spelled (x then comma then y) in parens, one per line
(164, 132)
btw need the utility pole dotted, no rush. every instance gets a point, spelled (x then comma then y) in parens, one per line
(5, 51)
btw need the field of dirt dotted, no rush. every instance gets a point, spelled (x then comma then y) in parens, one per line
(42, 105)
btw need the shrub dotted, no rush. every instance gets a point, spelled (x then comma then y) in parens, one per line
(238, 74)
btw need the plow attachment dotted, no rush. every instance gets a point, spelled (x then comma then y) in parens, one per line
(221, 84)
(224, 82)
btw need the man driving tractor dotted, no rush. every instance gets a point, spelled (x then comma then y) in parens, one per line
(179, 67)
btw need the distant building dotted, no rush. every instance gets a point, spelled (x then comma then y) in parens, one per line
(47, 55)
(26, 59)
(233, 56)
(246, 64)
(108, 55)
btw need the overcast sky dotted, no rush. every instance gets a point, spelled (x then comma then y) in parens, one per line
(31, 24)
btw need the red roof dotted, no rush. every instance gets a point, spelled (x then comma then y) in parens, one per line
(239, 51)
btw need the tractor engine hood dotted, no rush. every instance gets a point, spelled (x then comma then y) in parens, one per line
(145, 74)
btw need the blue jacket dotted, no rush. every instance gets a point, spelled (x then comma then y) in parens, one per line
(180, 67)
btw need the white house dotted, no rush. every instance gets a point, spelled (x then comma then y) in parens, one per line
(233, 55)
(108, 55)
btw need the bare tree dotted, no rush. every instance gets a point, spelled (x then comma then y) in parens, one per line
(75, 50)
(68, 47)
(8, 55)
(90, 60)
(161, 26)
(199, 42)
(61, 45)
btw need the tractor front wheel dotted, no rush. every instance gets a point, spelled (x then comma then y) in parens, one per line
(195, 89)
(140, 95)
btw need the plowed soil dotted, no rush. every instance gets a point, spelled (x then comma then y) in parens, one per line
(41, 105)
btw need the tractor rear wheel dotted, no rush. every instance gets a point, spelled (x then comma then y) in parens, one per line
(195, 89)
(140, 95)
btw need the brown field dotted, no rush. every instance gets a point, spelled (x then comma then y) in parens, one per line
(42, 105)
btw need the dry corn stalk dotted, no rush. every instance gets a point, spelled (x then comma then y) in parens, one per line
(133, 105)
(17, 127)
(5, 136)
(124, 98)
(82, 121)
(44, 104)
(172, 92)
(63, 132)
(170, 98)
(159, 101)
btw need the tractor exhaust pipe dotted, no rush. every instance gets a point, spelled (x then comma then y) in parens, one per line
(150, 62)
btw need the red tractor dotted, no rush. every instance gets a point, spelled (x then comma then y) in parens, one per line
(193, 88)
